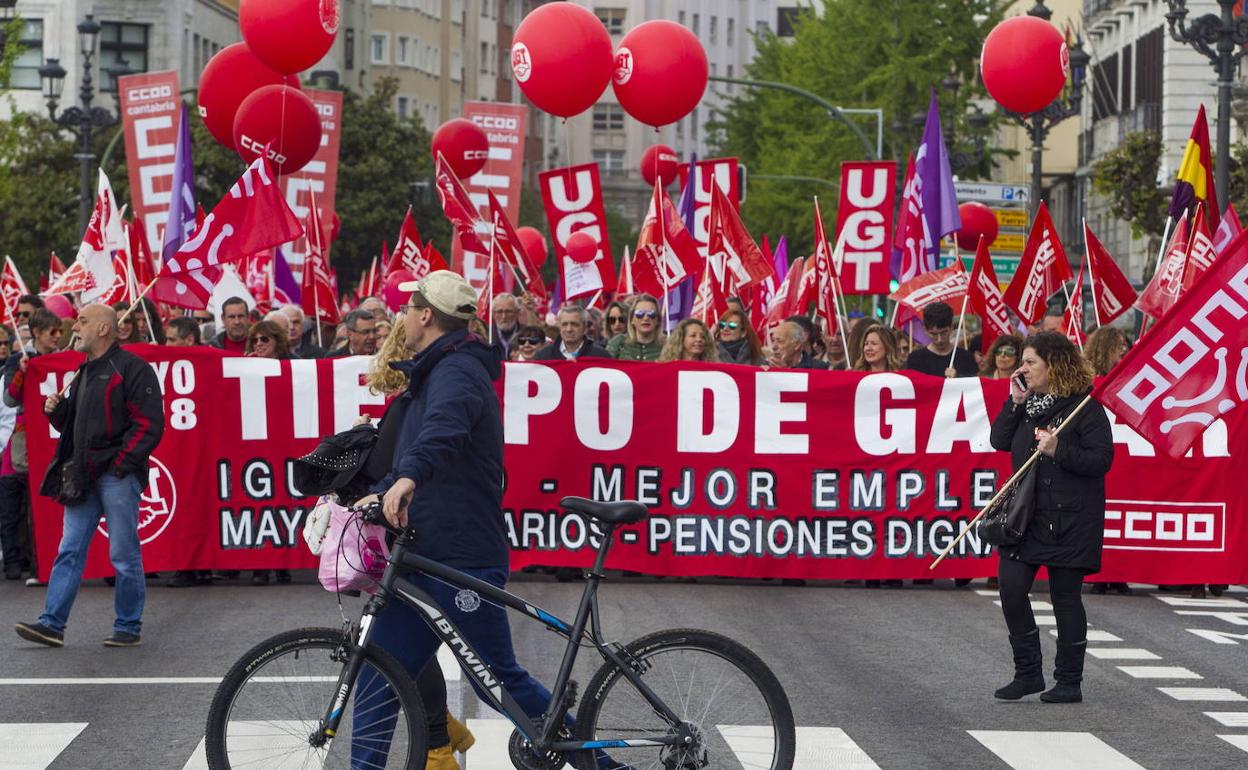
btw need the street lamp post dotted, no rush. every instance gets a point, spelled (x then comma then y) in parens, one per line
(1038, 124)
(82, 120)
(976, 121)
(1220, 38)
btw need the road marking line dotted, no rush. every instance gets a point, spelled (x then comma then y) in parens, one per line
(1203, 693)
(1036, 605)
(490, 750)
(1046, 620)
(1053, 750)
(1122, 653)
(1159, 672)
(1183, 601)
(1229, 718)
(127, 680)
(817, 747)
(34, 746)
(1095, 636)
(986, 592)
(271, 737)
(1238, 741)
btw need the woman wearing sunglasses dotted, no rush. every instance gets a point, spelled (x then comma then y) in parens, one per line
(738, 343)
(1002, 358)
(614, 321)
(266, 339)
(525, 343)
(643, 341)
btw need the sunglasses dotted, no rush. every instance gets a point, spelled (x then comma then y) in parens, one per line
(729, 325)
(528, 340)
(262, 338)
(645, 314)
(615, 319)
(23, 314)
(1006, 351)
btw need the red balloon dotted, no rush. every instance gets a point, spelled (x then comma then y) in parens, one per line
(60, 305)
(660, 160)
(561, 57)
(660, 72)
(289, 35)
(390, 293)
(977, 220)
(463, 144)
(1024, 63)
(284, 116)
(533, 243)
(581, 247)
(229, 78)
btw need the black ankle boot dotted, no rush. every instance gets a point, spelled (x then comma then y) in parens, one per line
(1028, 667)
(1068, 671)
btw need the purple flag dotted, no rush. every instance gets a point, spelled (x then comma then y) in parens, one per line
(680, 299)
(780, 260)
(284, 280)
(940, 202)
(181, 222)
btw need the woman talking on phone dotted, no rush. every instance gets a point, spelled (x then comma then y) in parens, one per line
(1067, 526)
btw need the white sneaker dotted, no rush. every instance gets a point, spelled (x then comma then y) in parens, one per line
(34, 583)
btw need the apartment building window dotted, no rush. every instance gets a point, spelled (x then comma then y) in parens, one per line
(714, 69)
(403, 51)
(401, 107)
(680, 18)
(608, 117)
(1104, 78)
(786, 20)
(761, 27)
(693, 125)
(493, 58)
(732, 31)
(457, 66)
(714, 28)
(1148, 68)
(610, 162)
(485, 9)
(29, 59)
(379, 48)
(485, 59)
(348, 48)
(695, 23)
(121, 42)
(613, 19)
(437, 60)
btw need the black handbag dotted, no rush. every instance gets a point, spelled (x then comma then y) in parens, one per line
(1007, 520)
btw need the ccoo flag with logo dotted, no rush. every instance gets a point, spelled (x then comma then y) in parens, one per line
(1192, 368)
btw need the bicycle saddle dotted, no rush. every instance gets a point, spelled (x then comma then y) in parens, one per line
(622, 512)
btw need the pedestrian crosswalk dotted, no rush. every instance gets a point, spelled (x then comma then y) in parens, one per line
(36, 746)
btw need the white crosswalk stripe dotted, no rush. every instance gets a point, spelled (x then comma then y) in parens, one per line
(1053, 750)
(1159, 672)
(1122, 653)
(1202, 693)
(34, 746)
(1238, 741)
(1229, 718)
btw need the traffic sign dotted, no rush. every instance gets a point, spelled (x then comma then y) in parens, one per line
(1004, 267)
(991, 192)
(1011, 218)
(1009, 242)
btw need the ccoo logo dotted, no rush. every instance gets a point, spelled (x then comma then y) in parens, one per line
(157, 504)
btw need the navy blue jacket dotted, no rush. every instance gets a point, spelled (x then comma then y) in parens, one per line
(451, 445)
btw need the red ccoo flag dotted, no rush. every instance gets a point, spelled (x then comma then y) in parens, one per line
(318, 298)
(1200, 251)
(507, 242)
(825, 270)
(1072, 319)
(984, 297)
(11, 287)
(709, 304)
(728, 241)
(1167, 284)
(788, 298)
(948, 285)
(1193, 369)
(1041, 271)
(251, 217)
(666, 254)
(1112, 293)
(408, 250)
(458, 208)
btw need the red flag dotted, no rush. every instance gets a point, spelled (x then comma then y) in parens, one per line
(1041, 271)
(511, 250)
(11, 287)
(370, 281)
(191, 289)
(1167, 284)
(434, 258)
(1194, 368)
(984, 297)
(910, 239)
(709, 304)
(624, 285)
(92, 272)
(744, 264)
(1228, 228)
(1112, 293)
(319, 300)
(458, 208)
(385, 259)
(825, 269)
(251, 217)
(119, 291)
(948, 285)
(408, 250)
(1200, 252)
(788, 298)
(1072, 319)
(56, 268)
(141, 262)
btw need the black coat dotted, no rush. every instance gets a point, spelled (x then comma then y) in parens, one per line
(589, 349)
(1068, 528)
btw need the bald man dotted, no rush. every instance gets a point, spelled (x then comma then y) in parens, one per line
(110, 419)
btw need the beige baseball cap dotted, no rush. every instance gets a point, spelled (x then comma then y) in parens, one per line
(447, 291)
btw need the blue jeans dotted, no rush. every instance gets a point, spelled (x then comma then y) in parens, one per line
(402, 632)
(117, 501)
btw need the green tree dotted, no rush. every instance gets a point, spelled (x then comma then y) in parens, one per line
(885, 54)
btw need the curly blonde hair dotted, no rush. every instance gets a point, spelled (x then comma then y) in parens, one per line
(1069, 373)
(674, 347)
(383, 380)
(1103, 349)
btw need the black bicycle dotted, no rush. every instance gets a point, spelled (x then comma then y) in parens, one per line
(676, 700)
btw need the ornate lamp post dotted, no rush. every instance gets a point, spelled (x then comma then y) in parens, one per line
(82, 120)
(1221, 39)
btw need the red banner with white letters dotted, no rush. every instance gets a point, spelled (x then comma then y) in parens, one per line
(150, 106)
(504, 127)
(319, 177)
(573, 200)
(748, 473)
(864, 220)
(724, 173)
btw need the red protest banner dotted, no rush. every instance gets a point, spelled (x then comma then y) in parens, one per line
(320, 176)
(573, 200)
(865, 216)
(751, 473)
(150, 105)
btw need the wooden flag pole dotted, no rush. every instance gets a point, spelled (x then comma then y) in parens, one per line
(1009, 482)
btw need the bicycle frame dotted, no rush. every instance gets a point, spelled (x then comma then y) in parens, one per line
(540, 733)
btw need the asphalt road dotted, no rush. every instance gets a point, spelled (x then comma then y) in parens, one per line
(887, 678)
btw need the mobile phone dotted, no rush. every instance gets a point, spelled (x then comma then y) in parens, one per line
(1020, 381)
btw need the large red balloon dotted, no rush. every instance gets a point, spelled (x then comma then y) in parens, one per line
(229, 78)
(289, 35)
(463, 144)
(284, 116)
(977, 220)
(533, 243)
(390, 293)
(661, 161)
(561, 57)
(581, 247)
(660, 72)
(1024, 63)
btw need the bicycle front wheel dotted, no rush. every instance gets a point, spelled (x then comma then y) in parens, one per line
(269, 707)
(724, 695)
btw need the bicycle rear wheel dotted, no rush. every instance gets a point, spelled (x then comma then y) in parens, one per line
(271, 702)
(723, 693)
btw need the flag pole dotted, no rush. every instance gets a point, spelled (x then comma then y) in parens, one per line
(1165, 241)
(1009, 482)
(961, 319)
(316, 295)
(1096, 310)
